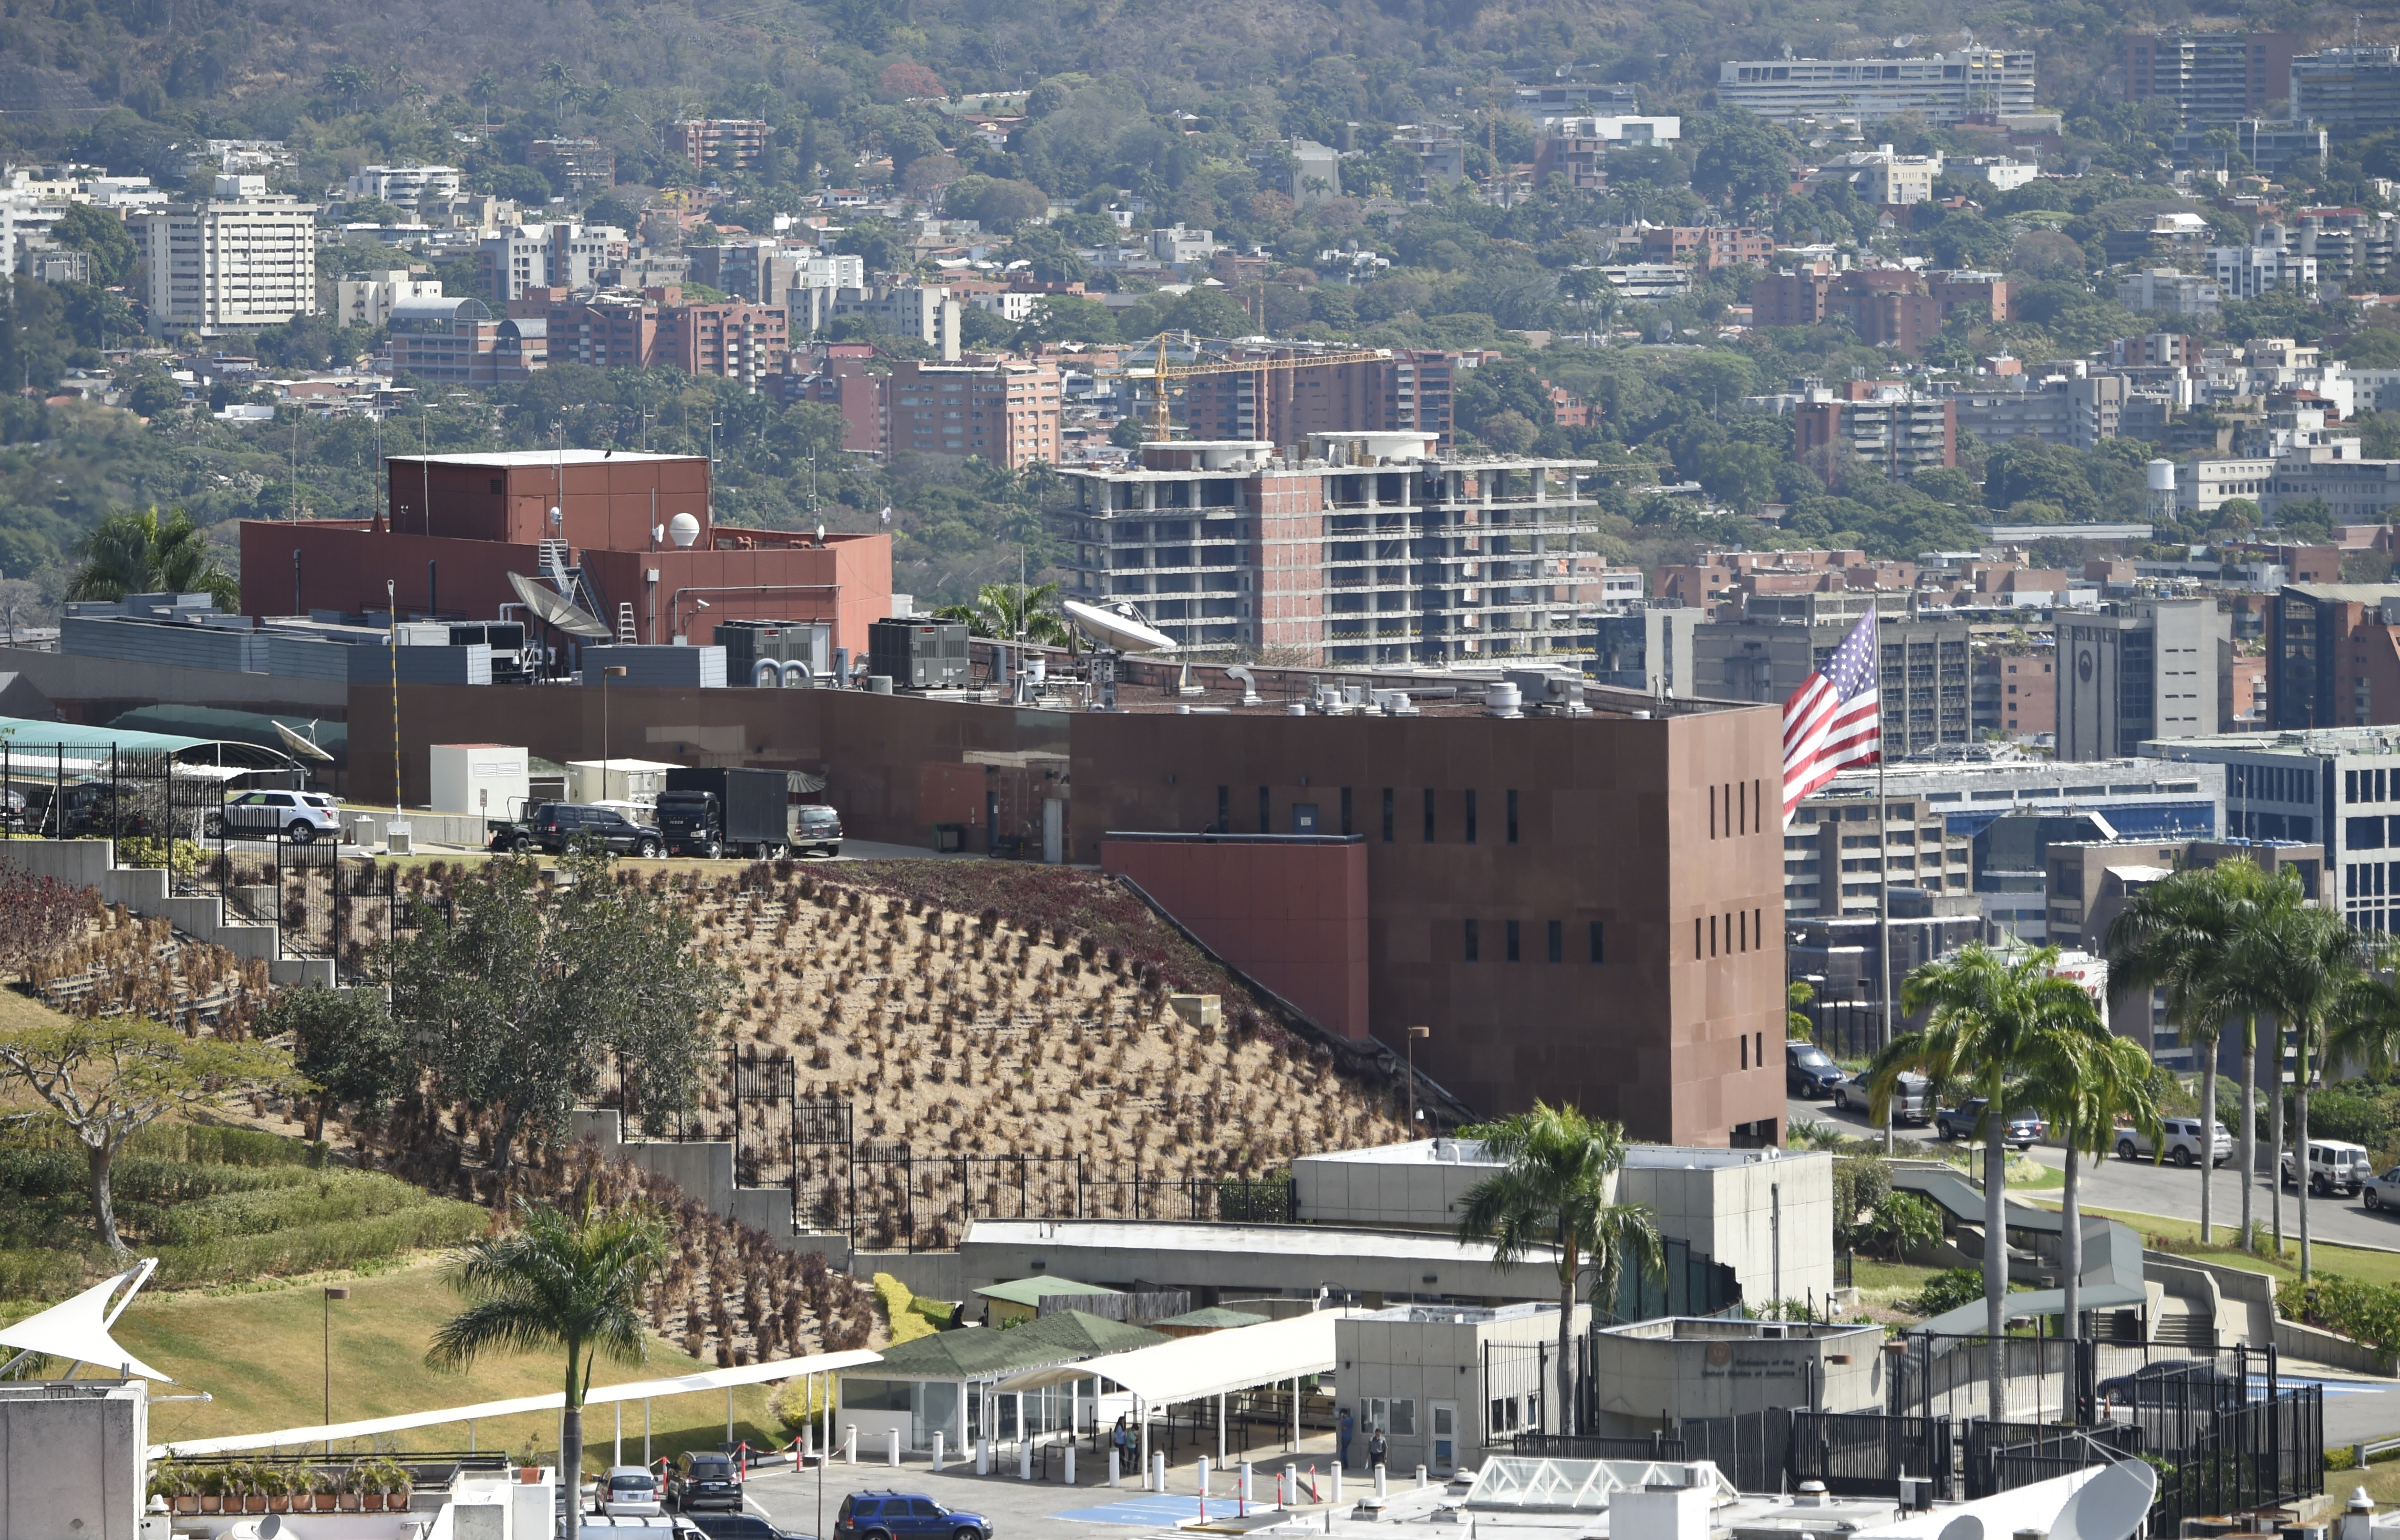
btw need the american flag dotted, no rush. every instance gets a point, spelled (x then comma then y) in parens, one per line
(1833, 722)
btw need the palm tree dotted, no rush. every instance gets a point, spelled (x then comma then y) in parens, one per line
(1558, 1189)
(558, 1279)
(2092, 1081)
(2176, 935)
(2310, 964)
(131, 553)
(1988, 1018)
(1032, 613)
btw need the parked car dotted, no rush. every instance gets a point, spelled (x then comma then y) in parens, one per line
(904, 1516)
(739, 1526)
(12, 808)
(705, 1482)
(2382, 1191)
(84, 807)
(556, 825)
(299, 816)
(2335, 1165)
(509, 835)
(1912, 1098)
(1807, 1072)
(631, 1490)
(2177, 1383)
(816, 827)
(1964, 1122)
(2182, 1142)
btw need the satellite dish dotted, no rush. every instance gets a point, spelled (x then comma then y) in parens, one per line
(557, 611)
(2109, 1507)
(1965, 1527)
(299, 746)
(1116, 629)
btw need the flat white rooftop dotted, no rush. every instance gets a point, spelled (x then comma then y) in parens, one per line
(1470, 1153)
(504, 458)
(1274, 1240)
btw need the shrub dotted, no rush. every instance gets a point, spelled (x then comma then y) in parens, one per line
(184, 858)
(346, 1243)
(907, 1325)
(2362, 1312)
(1946, 1291)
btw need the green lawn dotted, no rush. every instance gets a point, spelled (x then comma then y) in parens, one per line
(260, 1354)
(2349, 1262)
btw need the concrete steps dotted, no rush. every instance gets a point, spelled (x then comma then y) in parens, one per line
(145, 892)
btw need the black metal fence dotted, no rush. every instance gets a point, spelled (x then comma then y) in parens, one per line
(1753, 1448)
(1866, 1454)
(2002, 1456)
(1555, 1446)
(2269, 1454)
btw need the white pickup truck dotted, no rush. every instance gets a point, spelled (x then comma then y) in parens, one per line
(2182, 1138)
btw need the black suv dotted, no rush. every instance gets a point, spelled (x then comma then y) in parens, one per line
(816, 826)
(904, 1516)
(554, 825)
(1808, 1072)
(739, 1526)
(705, 1482)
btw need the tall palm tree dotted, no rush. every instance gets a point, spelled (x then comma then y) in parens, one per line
(2177, 935)
(1034, 611)
(1558, 1189)
(138, 552)
(2093, 1080)
(560, 1279)
(1990, 1017)
(2309, 962)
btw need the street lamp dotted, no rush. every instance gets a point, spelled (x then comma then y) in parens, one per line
(331, 1293)
(608, 672)
(1415, 1033)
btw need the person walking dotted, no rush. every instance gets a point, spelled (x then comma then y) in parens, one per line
(1119, 1440)
(1376, 1449)
(1342, 1432)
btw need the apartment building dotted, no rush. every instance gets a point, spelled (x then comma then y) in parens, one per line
(580, 253)
(2246, 272)
(461, 342)
(1409, 391)
(2358, 491)
(409, 187)
(929, 314)
(2335, 787)
(604, 329)
(2015, 689)
(1839, 853)
(1944, 88)
(2270, 147)
(1646, 648)
(1886, 307)
(509, 262)
(2140, 671)
(2333, 655)
(719, 144)
(2356, 89)
(367, 299)
(1000, 410)
(1709, 246)
(1926, 665)
(1373, 548)
(834, 375)
(732, 340)
(2204, 486)
(2176, 293)
(1898, 430)
(2209, 77)
(2081, 412)
(586, 165)
(241, 259)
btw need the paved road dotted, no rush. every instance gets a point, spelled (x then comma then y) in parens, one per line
(2139, 1187)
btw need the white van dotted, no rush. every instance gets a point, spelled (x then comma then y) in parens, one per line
(2335, 1165)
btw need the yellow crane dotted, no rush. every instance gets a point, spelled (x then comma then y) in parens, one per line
(1159, 374)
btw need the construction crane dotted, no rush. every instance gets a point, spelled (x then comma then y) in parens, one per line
(1159, 374)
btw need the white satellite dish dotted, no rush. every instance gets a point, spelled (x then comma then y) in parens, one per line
(1116, 629)
(299, 746)
(2109, 1507)
(557, 611)
(1965, 1527)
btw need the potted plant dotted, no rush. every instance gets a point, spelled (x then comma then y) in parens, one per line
(253, 1492)
(345, 1489)
(369, 1481)
(173, 1482)
(211, 1485)
(276, 1483)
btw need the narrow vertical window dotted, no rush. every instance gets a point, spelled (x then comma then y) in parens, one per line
(1597, 954)
(1474, 942)
(1513, 954)
(1512, 818)
(1346, 812)
(1428, 815)
(1713, 935)
(1558, 941)
(1470, 816)
(1745, 1050)
(1224, 809)
(1266, 825)
(1713, 809)
(1387, 815)
(1696, 939)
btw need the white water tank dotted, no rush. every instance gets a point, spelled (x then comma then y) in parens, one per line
(2161, 475)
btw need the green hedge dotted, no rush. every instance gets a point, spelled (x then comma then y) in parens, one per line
(171, 1182)
(42, 1273)
(331, 1196)
(341, 1243)
(2362, 1312)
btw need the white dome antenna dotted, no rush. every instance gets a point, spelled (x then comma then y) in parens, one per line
(683, 529)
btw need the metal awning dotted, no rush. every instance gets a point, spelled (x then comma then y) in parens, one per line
(1216, 1363)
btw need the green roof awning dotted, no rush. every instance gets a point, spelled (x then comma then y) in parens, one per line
(1212, 1318)
(1029, 1293)
(976, 1351)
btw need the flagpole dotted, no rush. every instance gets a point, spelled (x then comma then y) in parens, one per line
(1882, 867)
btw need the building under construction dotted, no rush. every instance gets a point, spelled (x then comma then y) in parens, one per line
(1342, 548)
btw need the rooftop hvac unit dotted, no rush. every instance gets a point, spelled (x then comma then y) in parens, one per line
(919, 654)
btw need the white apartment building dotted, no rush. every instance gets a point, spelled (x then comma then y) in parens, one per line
(25, 222)
(2176, 293)
(2205, 487)
(929, 313)
(366, 299)
(1944, 88)
(2246, 272)
(2357, 489)
(514, 260)
(2004, 174)
(409, 187)
(242, 259)
(1008, 305)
